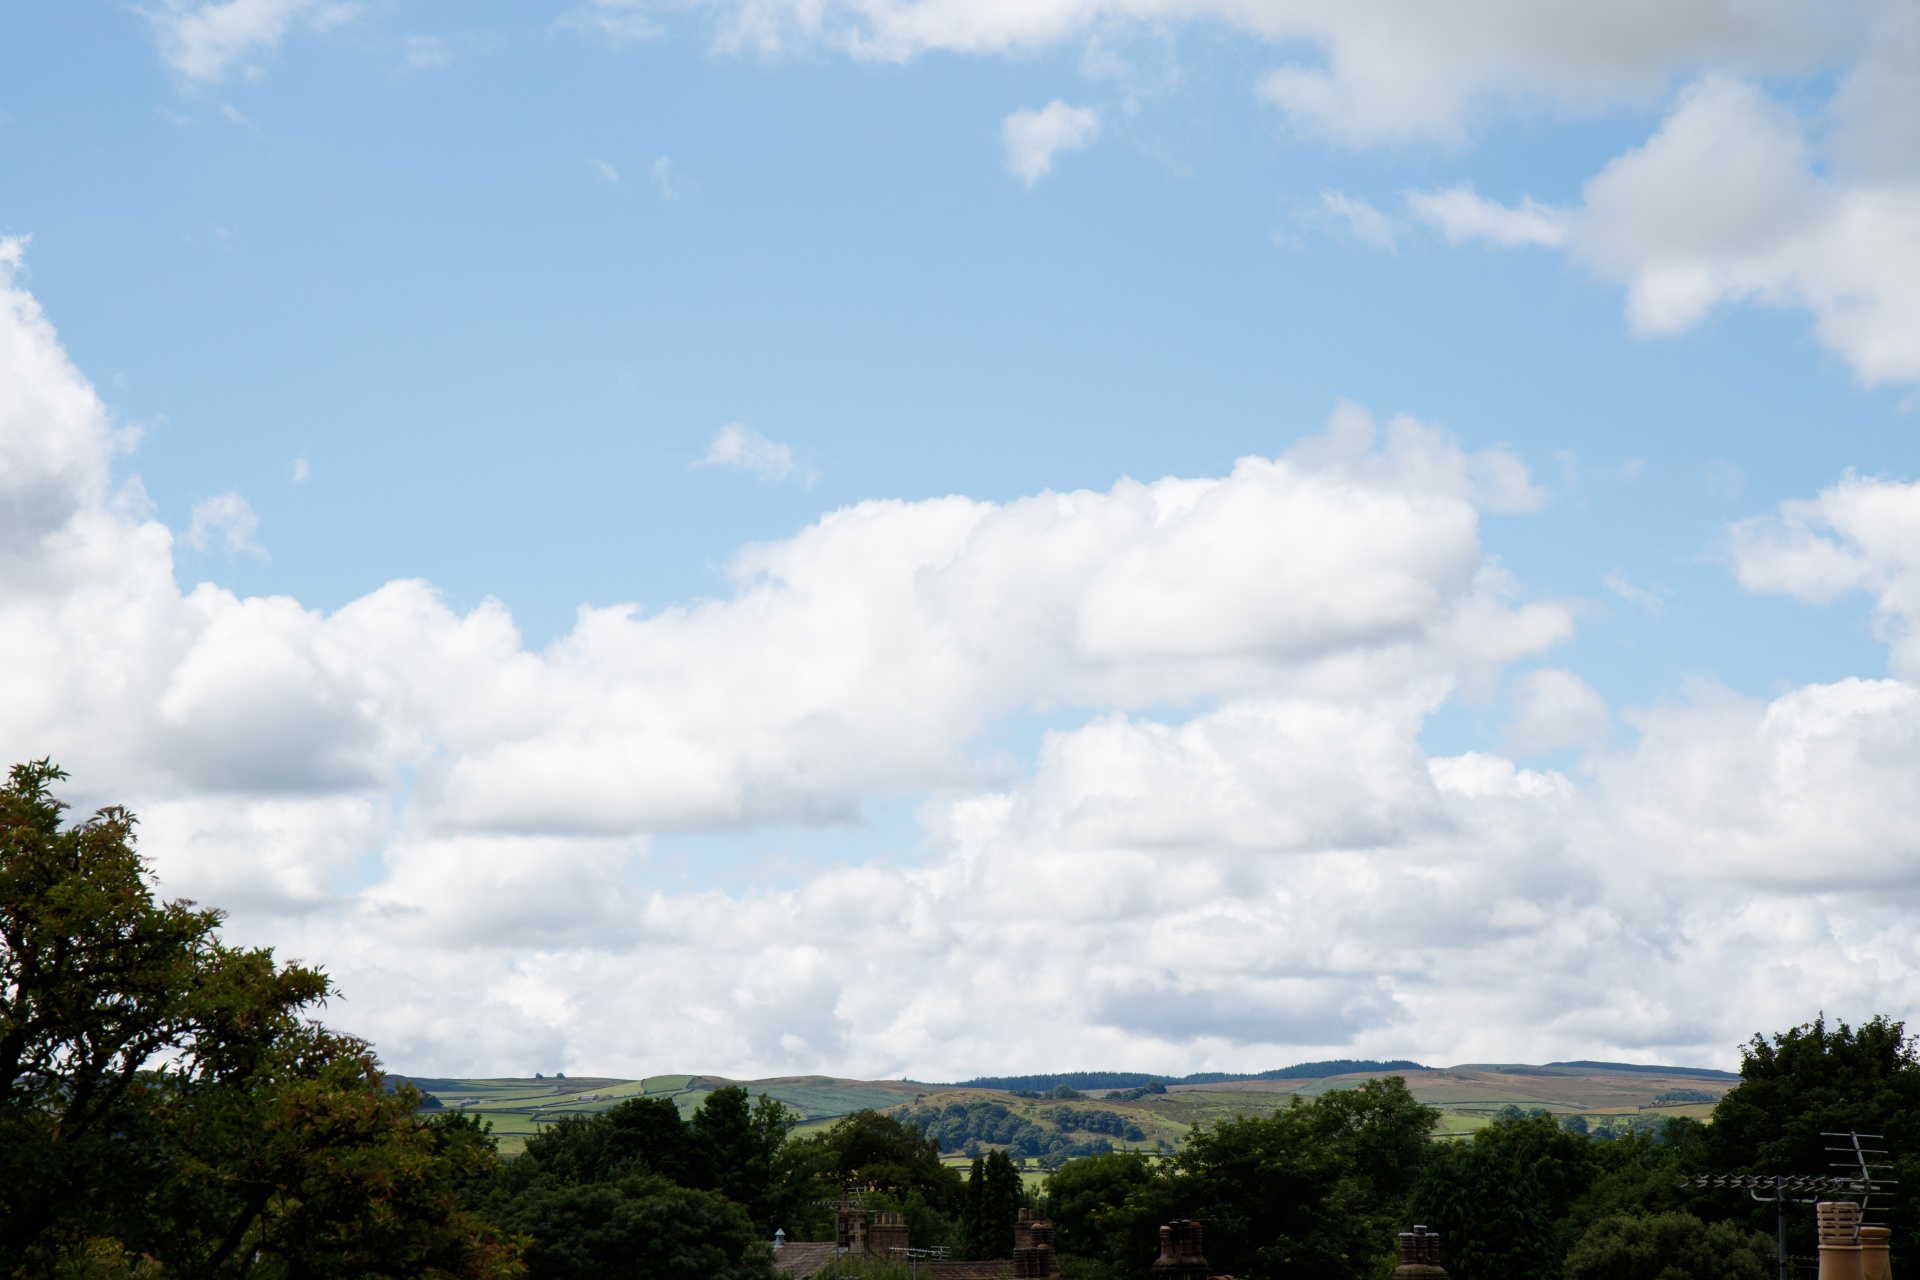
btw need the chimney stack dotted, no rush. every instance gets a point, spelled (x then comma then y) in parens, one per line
(1839, 1222)
(1420, 1255)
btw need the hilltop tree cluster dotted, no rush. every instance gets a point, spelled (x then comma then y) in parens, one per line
(170, 1107)
(1048, 1140)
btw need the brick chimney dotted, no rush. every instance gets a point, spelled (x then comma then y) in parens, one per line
(1033, 1248)
(1419, 1255)
(1180, 1256)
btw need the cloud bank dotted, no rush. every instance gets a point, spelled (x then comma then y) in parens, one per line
(1231, 850)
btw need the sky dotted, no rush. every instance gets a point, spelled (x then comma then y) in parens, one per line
(932, 538)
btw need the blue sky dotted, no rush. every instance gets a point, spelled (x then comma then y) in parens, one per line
(468, 293)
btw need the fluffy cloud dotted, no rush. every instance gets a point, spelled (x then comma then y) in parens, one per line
(1726, 203)
(1369, 71)
(1553, 709)
(204, 42)
(1860, 534)
(1231, 849)
(225, 521)
(739, 446)
(1463, 215)
(1034, 138)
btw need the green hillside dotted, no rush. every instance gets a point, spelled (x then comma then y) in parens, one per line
(1468, 1096)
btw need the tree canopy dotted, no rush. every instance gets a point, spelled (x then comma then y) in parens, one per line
(167, 1107)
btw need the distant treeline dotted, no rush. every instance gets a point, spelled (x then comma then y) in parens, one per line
(1134, 1079)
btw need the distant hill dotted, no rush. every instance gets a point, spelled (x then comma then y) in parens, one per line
(1134, 1079)
(1614, 1097)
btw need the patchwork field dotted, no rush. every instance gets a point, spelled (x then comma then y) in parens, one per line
(1468, 1096)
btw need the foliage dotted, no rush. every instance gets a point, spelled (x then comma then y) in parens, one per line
(993, 1199)
(164, 1108)
(640, 1227)
(1313, 1191)
(1816, 1079)
(1316, 1190)
(964, 1126)
(1502, 1202)
(1087, 1201)
(1669, 1246)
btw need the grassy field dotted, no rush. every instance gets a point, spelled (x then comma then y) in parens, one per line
(1468, 1097)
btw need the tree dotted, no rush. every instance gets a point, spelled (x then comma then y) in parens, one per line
(639, 1135)
(743, 1144)
(1816, 1079)
(993, 1198)
(164, 1103)
(641, 1227)
(1503, 1200)
(1087, 1201)
(1315, 1190)
(1669, 1246)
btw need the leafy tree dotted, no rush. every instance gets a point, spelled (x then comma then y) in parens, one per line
(1315, 1190)
(743, 1145)
(1503, 1200)
(1669, 1246)
(993, 1199)
(164, 1107)
(1088, 1200)
(641, 1227)
(870, 1152)
(639, 1135)
(1816, 1079)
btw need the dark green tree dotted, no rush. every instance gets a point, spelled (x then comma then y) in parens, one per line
(1313, 1191)
(1503, 1200)
(743, 1147)
(1669, 1246)
(639, 1135)
(165, 1104)
(640, 1227)
(1816, 1079)
(1088, 1202)
(993, 1198)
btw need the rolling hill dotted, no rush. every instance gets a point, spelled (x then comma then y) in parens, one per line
(1469, 1096)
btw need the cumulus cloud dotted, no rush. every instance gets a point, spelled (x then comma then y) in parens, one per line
(1858, 535)
(1034, 138)
(1364, 72)
(1726, 203)
(1461, 214)
(1231, 848)
(1359, 218)
(226, 522)
(1553, 709)
(741, 447)
(204, 42)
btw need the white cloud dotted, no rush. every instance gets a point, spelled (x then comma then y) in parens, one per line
(204, 42)
(1726, 203)
(740, 446)
(606, 171)
(425, 53)
(1359, 218)
(301, 471)
(1232, 850)
(1553, 709)
(1361, 71)
(1648, 601)
(1859, 534)
(1034, 138)
(618, 22)
(226, 522)
(1461, 214)
(671, 184)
